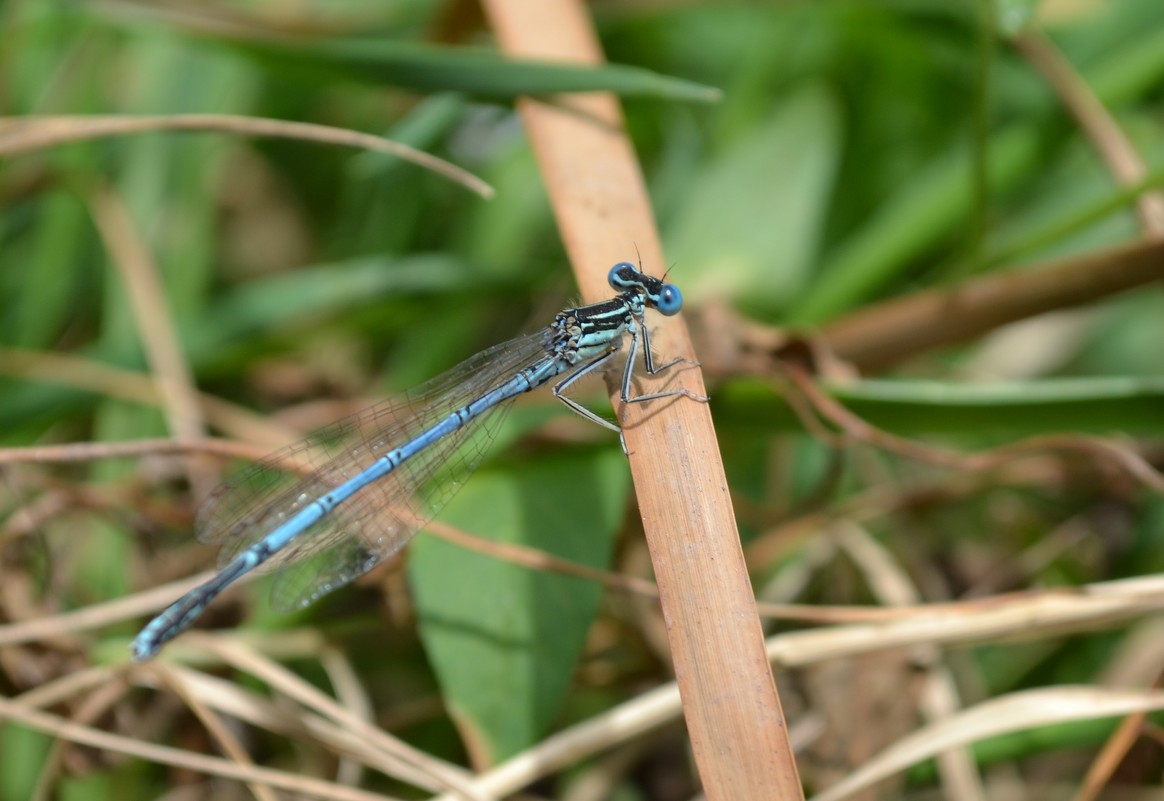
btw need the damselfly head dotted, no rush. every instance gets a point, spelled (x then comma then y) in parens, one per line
(626, 277)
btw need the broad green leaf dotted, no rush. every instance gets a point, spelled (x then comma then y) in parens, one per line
(25, 752)
(503, 639)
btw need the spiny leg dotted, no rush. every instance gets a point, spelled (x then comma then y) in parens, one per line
(573, 376)
(637, 329)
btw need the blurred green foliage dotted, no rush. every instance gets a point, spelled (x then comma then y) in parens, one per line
(860, 151)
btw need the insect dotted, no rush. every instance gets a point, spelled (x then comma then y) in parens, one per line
(371, 481)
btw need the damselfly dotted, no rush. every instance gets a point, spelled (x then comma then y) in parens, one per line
(332, 507)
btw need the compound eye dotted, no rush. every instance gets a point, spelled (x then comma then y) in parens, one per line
(622, 276)
(670, 300)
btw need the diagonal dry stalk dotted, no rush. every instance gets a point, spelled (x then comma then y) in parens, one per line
(881, 334)
(730, 703)
(1100, 126)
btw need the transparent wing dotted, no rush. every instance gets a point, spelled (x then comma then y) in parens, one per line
(381, 518)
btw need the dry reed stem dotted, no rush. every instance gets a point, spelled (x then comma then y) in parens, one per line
(56, 726)
(883, 334)
(409, 764)
(1095, 121)
(29, 134)
(134, 448)
(142, 283)
(1111, 756)
(114, 382)
(221, 734)
(1026, 709)
(733, 714)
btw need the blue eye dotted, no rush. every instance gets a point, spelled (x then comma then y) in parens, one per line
(669, 300)
(622, 276)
